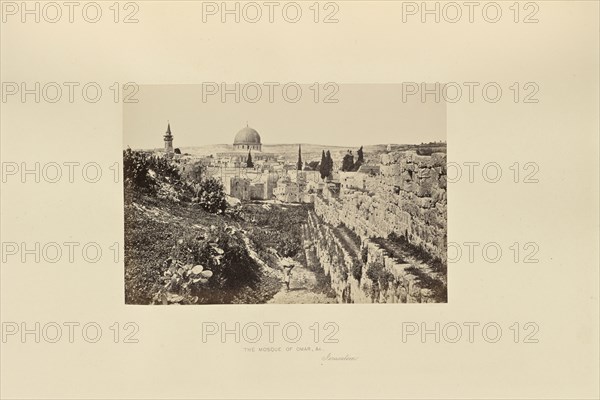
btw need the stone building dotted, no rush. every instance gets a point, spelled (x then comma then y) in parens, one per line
(270, 180)
(286, 190)
(314, 187)
(369, 169)
(237, 187)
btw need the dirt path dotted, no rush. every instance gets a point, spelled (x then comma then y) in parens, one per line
(303, 283)
(302, 289)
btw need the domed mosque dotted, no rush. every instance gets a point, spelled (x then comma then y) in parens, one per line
(247, 139)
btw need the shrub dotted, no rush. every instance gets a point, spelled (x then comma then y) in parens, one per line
(277, 228)
(210, 195)
(142, 171)
(418, 252)
(237, 268)
(380, 277)
(223, 267)
(179, 281)
(136, 167)
(440, 291)
(165, 169)
(357, 271)
(194, 172)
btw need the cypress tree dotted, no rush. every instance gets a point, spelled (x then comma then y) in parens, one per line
(323, 165)
(360, 159)
(348, 162)
(299, 163)
(329, 162)
(249, 163)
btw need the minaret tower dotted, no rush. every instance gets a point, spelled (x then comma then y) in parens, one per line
(168, 141)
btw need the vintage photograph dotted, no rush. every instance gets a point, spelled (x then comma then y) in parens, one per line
(339, 198)
(347, 199)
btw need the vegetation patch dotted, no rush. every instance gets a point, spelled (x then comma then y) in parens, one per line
(381, 278)
(395, 252)
(161, 254)
(417, 252)
(357, 271)
(440, 291)
(182, 245)
(270, 226)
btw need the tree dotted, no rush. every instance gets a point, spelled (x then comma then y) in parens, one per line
(348, 162)
(299, 163)
(329, 162)
(323, 165)
(177, 150)
(313, 165)
(249, 163)
(361, 159)
(326, 167)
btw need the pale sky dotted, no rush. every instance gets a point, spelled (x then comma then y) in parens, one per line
(365, 114)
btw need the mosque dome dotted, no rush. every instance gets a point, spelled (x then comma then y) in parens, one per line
(247, 135)
(247, 138)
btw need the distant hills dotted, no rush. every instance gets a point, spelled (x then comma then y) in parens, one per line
(312, 152)
(287, 151)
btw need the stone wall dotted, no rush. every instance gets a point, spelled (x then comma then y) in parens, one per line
(407, 198)
(349, 269)
(237, 187)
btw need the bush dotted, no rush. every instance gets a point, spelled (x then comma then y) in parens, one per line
(161, 177)
(210, 195)
(142, 171)
(380, 277)
(194, 172)
(165, 169)
(136, 167)
(179, 281)
(440, 291)
(418, 252)
(207, 269)
(237, 268)
(277, 228)
(357, 271)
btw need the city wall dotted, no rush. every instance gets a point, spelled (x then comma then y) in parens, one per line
(407, 198)
(349, 269)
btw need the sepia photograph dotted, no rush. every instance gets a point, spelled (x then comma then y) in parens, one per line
(346, 199)
(251, 219)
